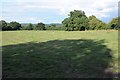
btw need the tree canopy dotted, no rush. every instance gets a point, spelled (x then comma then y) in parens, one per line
(114, 24)
(9, 26)
(76, 20)
(14, 25)
(3, 25)
(40, 26)
(95, 24)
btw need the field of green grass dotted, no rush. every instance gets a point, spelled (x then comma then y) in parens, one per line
(60, 54)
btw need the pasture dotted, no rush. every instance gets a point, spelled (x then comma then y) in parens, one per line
(60, 54)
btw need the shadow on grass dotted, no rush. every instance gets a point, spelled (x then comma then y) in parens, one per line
(57, 59)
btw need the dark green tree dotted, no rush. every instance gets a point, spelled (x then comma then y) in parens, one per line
(76, 20)
(77, 13)
(40, 26)
(65, 23)
(3, 25)
(114, 24)
(14, 25)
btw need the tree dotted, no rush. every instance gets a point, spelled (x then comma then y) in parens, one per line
(76, 20)
(82, 22)
(3, 25)
(114, 24)
(14, 25)
(40, 26)
(77, 13)
(92, 17)
(95, 24)
(65, 22)
(27, 27)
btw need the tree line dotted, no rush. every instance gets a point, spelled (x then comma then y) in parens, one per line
(77, 21)
(17, 26)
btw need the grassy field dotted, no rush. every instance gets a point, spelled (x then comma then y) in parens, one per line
(60, 54)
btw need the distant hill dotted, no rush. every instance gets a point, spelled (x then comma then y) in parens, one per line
(57, 24)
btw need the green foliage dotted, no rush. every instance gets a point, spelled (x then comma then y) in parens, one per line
(3, 25)
(9, 26)
(14, 25)
(96, 24)
(114, 24)
(27, 27)
(92, 17)
(40, 26)
(76, 20)
(55, 28)
(77, 13)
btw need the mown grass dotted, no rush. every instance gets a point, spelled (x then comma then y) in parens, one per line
(60, 54)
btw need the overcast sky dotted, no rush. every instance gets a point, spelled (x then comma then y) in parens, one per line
(54, 11)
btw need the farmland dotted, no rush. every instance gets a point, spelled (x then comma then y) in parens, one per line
(60, 54)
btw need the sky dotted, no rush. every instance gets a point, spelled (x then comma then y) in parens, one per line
(55, 11)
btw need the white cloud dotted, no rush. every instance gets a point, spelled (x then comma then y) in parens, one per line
(23, 19)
